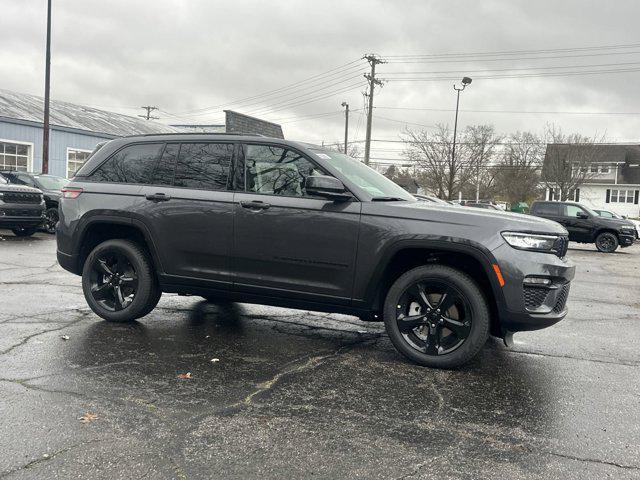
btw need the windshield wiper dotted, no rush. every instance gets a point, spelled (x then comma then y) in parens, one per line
(387, 199)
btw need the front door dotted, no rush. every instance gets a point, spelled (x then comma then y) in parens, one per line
(189, 212)
(579, 228)
(286, 242)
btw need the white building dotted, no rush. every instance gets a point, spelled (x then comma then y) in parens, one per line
(613, 180)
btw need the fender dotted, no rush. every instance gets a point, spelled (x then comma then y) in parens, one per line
(452, 245)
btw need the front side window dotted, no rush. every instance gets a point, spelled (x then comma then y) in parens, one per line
(75, 159)
(277, 171)
(14, 156)
(573, 210)
(132, 164)
(203, 166)
(547, 209)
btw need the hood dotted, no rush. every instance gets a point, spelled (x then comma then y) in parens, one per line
(473, 217)
(613, 222)
(12, 187)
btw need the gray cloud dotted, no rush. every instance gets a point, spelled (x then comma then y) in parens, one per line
(186, 55)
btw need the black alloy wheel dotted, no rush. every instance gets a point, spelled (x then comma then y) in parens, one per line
(433, 317)
(113, 280)
(50, 220)
(119, 281)
(607, 242)
(436, 316)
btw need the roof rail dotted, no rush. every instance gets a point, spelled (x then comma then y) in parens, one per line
(198, 134)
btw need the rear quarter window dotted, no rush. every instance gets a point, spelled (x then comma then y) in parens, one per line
(546, 209)
(132, 164)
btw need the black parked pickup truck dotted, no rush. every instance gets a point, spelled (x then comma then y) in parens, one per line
(586, 226)
(269, 221)
(21, 208)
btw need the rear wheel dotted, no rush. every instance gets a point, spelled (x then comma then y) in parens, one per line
(118, 281)
(23, 231)
(436, 316)
(607, 242)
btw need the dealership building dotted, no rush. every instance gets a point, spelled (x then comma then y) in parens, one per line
(75, 130)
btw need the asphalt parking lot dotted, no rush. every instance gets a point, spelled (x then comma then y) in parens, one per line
(277, 393)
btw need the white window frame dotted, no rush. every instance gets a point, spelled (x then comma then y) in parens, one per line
(622, 195)
(603, 167)
(66, 163)
(30, 147)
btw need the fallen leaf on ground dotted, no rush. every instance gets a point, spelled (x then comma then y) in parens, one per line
(88, 417)
(185, 375)
(215, 360)
(65, 337)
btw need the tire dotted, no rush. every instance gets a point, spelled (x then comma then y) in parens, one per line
(132, 276)
(23, 231)
(51, 219)
(607, 242)
(471, 312)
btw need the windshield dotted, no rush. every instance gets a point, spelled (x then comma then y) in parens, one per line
(377, 185)
(49, 182)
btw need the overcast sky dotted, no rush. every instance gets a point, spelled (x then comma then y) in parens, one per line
(185, 56)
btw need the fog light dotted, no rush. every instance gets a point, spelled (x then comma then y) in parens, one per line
(539, 281)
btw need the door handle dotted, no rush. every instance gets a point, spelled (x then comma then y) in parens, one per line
(158, 197)
(255, 205)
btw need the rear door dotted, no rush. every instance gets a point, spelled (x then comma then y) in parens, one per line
(288, 243)
(189, 211)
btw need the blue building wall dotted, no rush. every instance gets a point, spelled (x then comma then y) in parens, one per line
(59, 141)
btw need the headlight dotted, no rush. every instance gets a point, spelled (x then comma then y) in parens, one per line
(531, 241)
(627, 228)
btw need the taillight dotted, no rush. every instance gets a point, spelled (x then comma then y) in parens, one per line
(71, 192)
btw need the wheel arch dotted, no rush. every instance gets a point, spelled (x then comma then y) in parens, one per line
(99, 229)
(472, 260)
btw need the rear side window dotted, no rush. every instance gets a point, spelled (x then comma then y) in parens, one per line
(546, 209)
(132, 164)
(203, 166)
(166, 165)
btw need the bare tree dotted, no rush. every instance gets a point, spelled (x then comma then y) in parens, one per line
(437, 170)
(402, 177)
(482, 144)
(353, 150)
(517, 175)
(567, 160)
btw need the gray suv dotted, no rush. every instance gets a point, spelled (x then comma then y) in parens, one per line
(269, 221)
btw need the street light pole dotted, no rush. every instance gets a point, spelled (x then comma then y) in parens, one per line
(346, 126)
(465, 81)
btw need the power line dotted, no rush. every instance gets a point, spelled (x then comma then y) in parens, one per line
(147, 115)
(549, 112)
(552, 57)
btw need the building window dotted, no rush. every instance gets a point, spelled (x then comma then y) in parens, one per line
(604, 169)
(594, 168)
(75, 159)
(14, 156)
(622, 196)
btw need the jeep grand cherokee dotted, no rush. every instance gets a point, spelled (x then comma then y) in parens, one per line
(270, 221)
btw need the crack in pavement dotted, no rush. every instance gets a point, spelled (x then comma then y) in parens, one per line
(581, 359)
(38, 388)
(593, 460)
(83, 311)
(33, 335)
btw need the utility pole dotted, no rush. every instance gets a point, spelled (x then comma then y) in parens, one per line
(373, 81)
(147, 115)
(47, 87)
(346, 126)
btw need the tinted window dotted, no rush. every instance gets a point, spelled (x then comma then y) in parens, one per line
(166, 165)
(133, 164)
(546, 209)
(573, 210)
(203, 165)
(277, 171)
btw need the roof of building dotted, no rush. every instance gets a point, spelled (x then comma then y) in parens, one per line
(22, 106)
(625, 156)
(200, 128)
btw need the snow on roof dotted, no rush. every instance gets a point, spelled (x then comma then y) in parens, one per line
(23, 106)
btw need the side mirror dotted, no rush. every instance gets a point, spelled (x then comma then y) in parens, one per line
(582, 215)
(326, 186)
(625, 217)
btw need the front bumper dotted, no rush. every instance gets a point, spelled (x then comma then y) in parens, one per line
(626, 239)
(19, 215)
(532, 307)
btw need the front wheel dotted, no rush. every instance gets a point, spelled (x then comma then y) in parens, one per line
(23, 231)
(118, 281)
(436, 316)
(607, 242)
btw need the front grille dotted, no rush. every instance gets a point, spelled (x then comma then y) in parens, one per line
(561, 300)
(20, 212)
(534, 297)
(21, 197)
